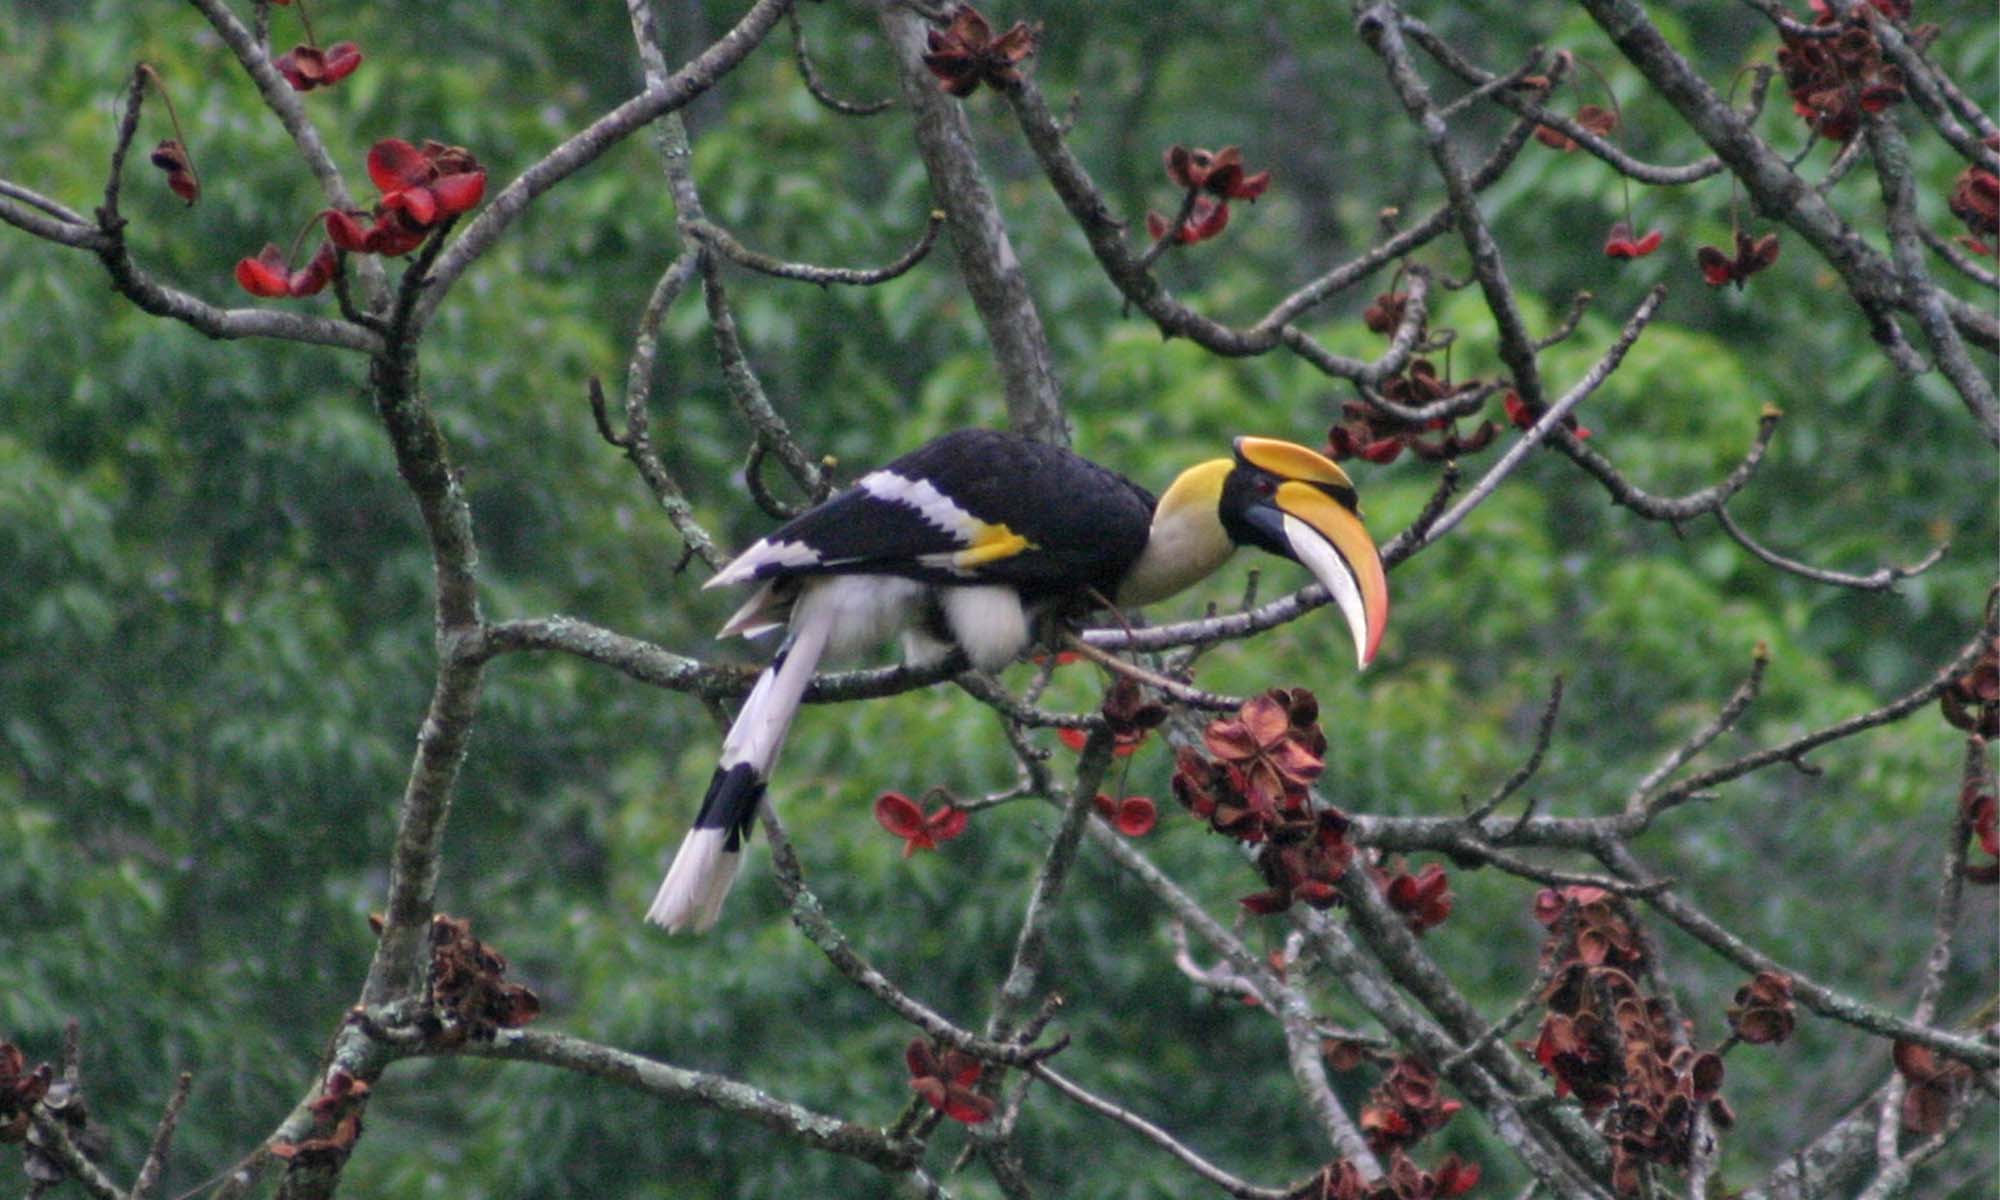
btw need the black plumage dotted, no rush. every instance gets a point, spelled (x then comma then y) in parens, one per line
(1085, 525)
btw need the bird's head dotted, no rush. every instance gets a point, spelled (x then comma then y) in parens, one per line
(1298, 504)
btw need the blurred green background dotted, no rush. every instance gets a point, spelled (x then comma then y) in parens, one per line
(215, 621)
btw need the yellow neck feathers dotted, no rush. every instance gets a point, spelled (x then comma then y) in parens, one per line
(1187, 542)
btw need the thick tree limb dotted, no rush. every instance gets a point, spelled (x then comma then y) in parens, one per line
(986, 259)
(664, 1081)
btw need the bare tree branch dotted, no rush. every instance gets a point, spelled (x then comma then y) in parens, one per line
(679, 1085)
(1881, 579)
(586, 145)
(1814, 995)
(803, 60)
(986, 258)
(719, 239)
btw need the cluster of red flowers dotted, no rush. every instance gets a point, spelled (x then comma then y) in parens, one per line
(965, 53)
(1613, 1046)
(336, 1113)
(1424, 899)
(467, 984)
(1835, 80)
(1256, 789)
(946, 1081)
(20, 1090)
(1972, 701)
(1752, 255)
(903, 817)
(1934, 1087)
(1211, 179)
(1405, 1180)
(1368, 433)
(1762, 1013)
(421, 189)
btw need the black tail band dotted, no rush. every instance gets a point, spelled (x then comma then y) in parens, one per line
(731, 803)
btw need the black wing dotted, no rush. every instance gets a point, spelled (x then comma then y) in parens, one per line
(971, 506)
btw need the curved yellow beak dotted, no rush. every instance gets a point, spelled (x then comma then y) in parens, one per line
(1331, 542)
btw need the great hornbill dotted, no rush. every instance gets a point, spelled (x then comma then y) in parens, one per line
(966, 542)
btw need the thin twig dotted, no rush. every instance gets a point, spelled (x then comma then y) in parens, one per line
(1732, 711)
(163, 1139)
(1544, 731)
(803, 60)
(1159, 1137)
(1186, 694)
(1881, 579)
(720, 240)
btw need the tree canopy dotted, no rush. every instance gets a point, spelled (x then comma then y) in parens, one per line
(250, 575)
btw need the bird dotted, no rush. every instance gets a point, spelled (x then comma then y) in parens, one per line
(968, 543)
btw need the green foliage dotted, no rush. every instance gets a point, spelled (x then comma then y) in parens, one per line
(215, 626)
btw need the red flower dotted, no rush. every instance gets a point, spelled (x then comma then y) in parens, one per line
(1123, 745)
(1133, 816)
(1523, 415)
(270, 275)
(1972, 701)
(946, 1082)
(1205, 219)
(1275, 741)
(428, 184)
(1405, 1108)
(965, 53)
(1212, 179)
(309, 67)
(1219, 173)
(1424, 899)
(1979, 814)
(1621, 243)
(1303, 861)
(900, 815)
(1595, 118)
(420, 189)
(1762, 1013)
(172, 157)
(20, 1090)
(1933, 1086)
(1975, 200)
(1752, 256)
(1455, 1177)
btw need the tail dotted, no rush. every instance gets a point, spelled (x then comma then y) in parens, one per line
(692, 894)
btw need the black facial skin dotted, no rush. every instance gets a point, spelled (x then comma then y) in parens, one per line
(1249, 516)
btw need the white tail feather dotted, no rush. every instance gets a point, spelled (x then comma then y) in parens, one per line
(691, 895)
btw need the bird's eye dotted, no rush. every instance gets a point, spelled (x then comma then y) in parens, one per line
(1266, 485)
